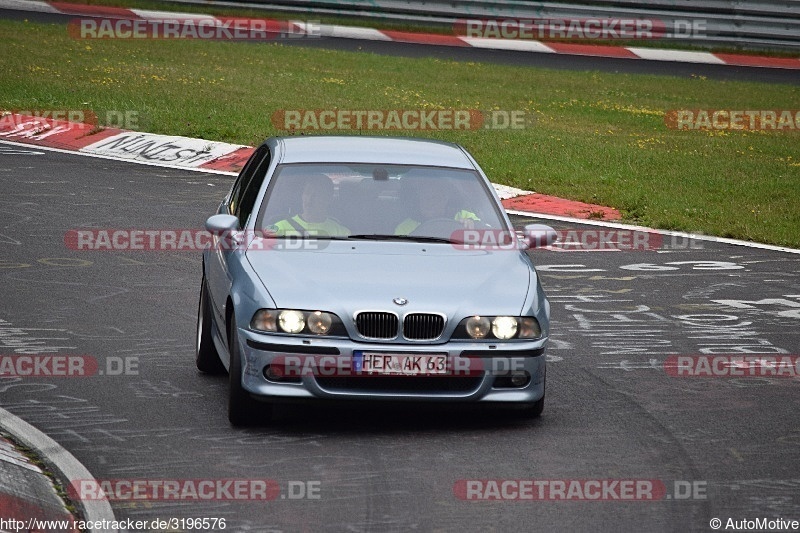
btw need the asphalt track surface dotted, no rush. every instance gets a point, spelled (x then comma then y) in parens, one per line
(613, 411)
(507, 57)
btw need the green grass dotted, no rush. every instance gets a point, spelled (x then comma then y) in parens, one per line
(597, 137)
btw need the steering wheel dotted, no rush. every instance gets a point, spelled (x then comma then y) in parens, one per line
(437, 227)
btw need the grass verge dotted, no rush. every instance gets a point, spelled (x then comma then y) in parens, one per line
(597, 137)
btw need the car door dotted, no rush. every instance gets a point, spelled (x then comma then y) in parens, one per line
(240, 203)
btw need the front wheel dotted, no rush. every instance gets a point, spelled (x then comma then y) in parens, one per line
(242, 408)
(535, 409)
(205, 353)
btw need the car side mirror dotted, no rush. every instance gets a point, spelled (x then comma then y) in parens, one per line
(539, 235)
(219, 224)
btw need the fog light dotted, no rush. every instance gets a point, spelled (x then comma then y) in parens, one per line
(279, 374)
(273, 374)
(519, 378)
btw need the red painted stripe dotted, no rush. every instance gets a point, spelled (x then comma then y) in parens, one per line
(760, 61)
(232, 162)
(53, 133)
(552, 205)
(25, 508)
(94, 11)
(591, 50)
(424, 38)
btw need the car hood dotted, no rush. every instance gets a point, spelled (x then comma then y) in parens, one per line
(349, 276)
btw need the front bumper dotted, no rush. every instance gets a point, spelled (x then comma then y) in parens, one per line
(479, 372)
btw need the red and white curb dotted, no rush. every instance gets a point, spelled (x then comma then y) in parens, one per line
(371, 34)
(211, 156)
(62, 463)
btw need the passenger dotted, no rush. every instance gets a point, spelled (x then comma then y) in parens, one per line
(433, 199)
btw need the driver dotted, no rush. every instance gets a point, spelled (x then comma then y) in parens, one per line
(433, 198)
(314, 218)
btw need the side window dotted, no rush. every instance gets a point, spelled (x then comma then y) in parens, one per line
(251, 188)
(243, 179)
(247, 180)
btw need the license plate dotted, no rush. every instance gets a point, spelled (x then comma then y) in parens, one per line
(400, 364)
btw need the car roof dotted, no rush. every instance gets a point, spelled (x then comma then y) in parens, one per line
(372, 149)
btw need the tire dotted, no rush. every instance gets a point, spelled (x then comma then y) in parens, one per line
(535, 409)
(205, 353)
(243, 410)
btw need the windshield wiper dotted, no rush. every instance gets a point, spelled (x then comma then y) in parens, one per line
(413, 238)
(324, 237)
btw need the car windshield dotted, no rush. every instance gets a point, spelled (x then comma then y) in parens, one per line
(378, 202)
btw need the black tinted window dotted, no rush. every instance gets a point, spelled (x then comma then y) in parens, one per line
(247, 186)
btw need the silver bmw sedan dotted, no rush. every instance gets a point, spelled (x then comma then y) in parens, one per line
(370, 269)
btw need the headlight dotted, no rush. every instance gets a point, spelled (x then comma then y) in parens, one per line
(291, 321)
(294, 321)
(319, 322)
(504, 327)
(498, 328)
(265, 320)
(529, 328)
(478, 327)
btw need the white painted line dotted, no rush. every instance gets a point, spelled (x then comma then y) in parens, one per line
(28, 5)
(14, 460)
(683, 56)
(505, 192)
(348, 32)
(618, 225)
(10, 454)
(179, 151)
(171, 15)
(304, 26)
(114, 158)
(508, 44)
(63, 462)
